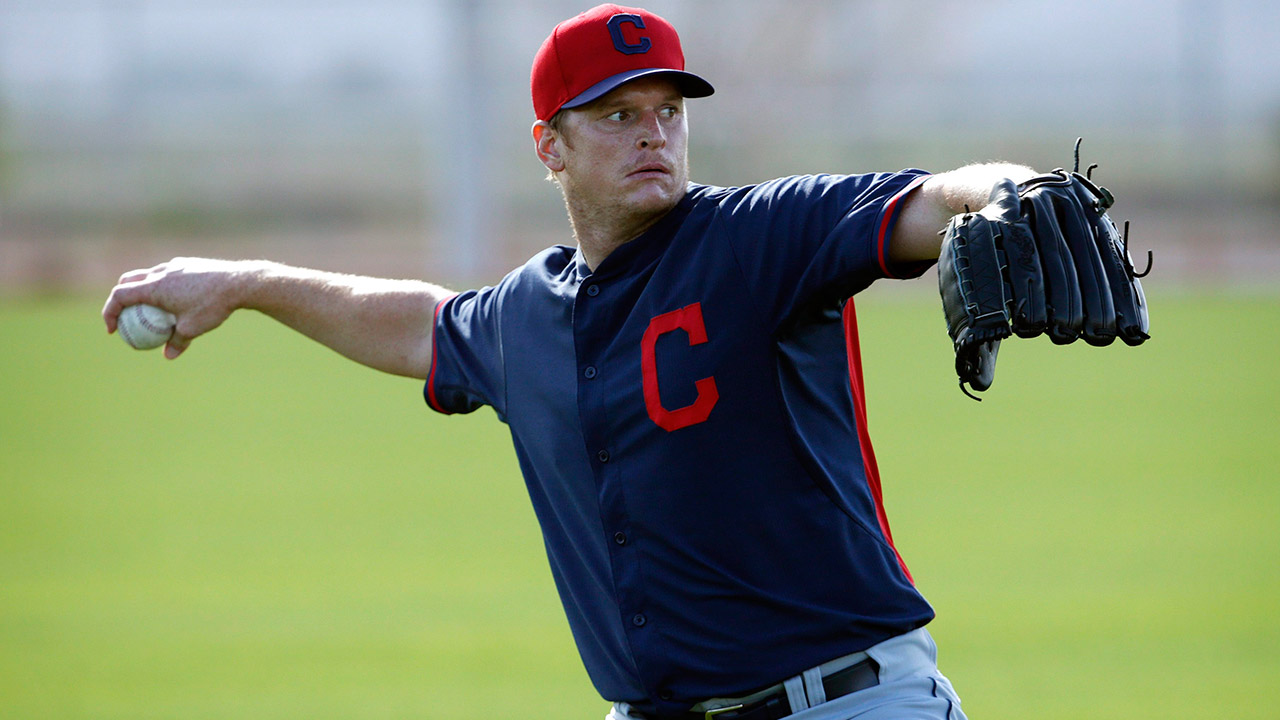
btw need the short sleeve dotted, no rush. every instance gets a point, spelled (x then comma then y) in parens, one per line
(816, 237)
(466, 353)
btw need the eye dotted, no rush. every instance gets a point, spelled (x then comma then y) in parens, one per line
(619, 116)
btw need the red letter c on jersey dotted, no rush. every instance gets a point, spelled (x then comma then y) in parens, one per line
(688, 319)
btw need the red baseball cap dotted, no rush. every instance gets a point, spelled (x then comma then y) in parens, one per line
(587, 56)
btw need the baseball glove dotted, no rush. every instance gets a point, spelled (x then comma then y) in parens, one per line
(1042, 257)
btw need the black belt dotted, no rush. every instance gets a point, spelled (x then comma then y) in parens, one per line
(859, 676)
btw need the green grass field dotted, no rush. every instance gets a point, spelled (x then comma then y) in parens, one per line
(264, 530)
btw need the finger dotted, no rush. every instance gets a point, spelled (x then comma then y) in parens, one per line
(133, 276)
(111, 313)
(187, 329)
(1126, 291)
(1026, 279)
(1141, 333)
(177, 345)
(973, 297)
(140, 274)
(1095, 292)
(116, 303)
(131, 289)
(1062, 289)
(980, 368)
(987, 300)
(121, 297)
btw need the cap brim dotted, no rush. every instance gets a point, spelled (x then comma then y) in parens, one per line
(691, 86)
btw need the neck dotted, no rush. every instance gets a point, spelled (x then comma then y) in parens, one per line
(599, 233)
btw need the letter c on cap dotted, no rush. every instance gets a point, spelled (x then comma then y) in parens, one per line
(619, 42)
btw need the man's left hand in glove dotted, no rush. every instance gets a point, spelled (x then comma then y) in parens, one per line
(1041, 257)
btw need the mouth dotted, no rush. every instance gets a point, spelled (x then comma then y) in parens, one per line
(650, 170)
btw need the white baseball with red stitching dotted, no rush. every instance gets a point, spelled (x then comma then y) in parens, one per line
(146, 326)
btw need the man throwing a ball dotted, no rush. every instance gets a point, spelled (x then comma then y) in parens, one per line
(683, 388)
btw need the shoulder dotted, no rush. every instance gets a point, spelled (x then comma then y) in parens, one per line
(545, 274)
(549, 264)
(790, 188)
(551, 267)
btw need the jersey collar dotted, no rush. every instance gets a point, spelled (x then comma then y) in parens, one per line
(646, 248)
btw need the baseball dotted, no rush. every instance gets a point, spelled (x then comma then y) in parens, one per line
(146, 326)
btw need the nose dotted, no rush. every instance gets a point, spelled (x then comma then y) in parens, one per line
(651, 133)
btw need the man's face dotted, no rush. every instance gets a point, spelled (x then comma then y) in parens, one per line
(625, 154)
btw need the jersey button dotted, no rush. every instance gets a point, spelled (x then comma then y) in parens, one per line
(639, 619)
(603, 455)
(593, 290)
(590, 373)
(620, 538)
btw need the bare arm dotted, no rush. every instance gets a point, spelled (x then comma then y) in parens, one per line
(927, 210)
(384, 324)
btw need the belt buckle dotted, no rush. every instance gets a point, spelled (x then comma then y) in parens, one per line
(711, 714)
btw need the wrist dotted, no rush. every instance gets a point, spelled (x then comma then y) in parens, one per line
(248, 283)
(970, 186)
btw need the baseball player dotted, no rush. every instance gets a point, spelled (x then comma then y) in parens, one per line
(683, 388)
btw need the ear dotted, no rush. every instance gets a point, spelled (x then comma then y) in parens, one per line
(546, 143)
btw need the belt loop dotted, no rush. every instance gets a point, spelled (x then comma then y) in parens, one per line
(813, 687)
(795, 694)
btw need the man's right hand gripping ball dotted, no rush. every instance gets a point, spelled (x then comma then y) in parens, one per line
(1042, 257)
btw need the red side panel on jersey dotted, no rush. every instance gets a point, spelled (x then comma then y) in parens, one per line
(864, 437)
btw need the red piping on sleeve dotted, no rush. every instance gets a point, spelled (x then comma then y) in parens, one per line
(431, 376)
(888, 220)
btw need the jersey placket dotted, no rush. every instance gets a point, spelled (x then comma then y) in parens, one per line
(593, 336)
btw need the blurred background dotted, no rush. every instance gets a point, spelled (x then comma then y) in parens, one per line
(393, 135)
(265, 530)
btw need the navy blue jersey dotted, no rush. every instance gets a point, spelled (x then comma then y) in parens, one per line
(690, 425)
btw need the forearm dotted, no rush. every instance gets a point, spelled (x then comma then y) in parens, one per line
(385, 324)
(927, 210)
(382, 323)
